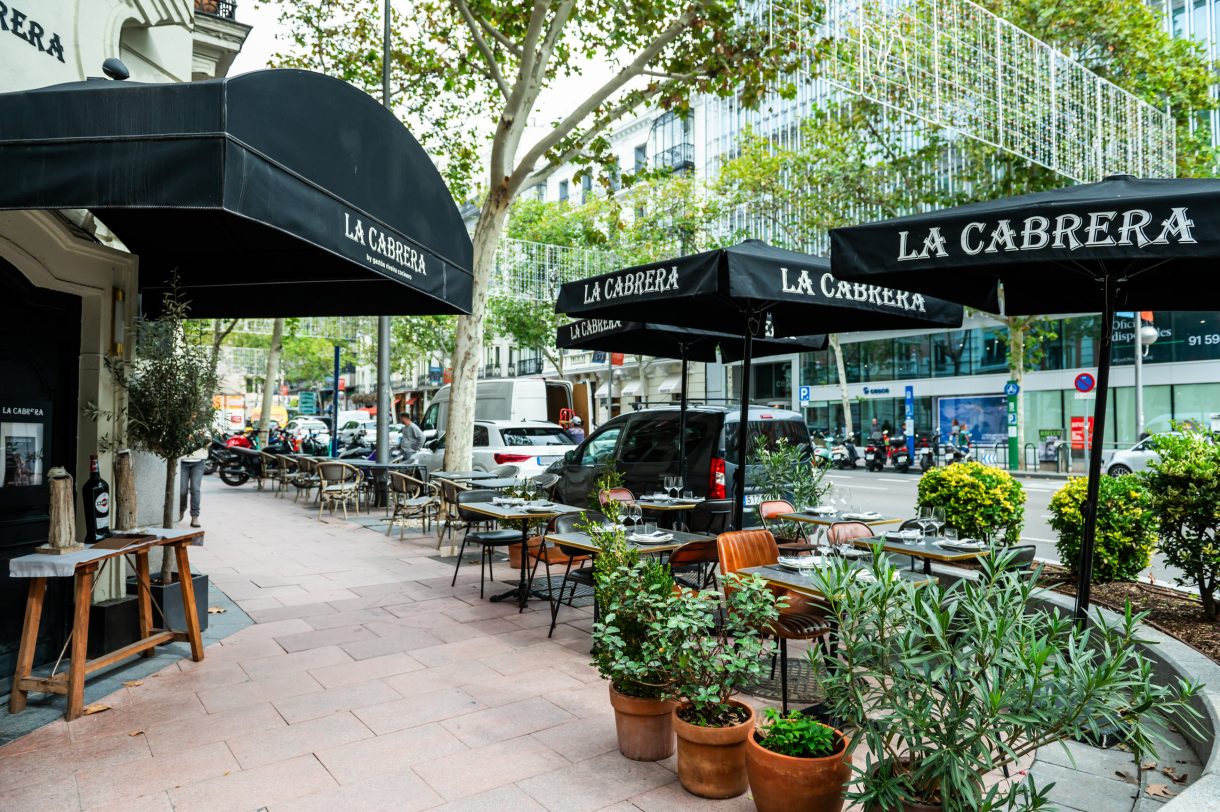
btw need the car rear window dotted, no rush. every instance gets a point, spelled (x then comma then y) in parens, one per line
(770, 431)
(536, 435)
(654, 439)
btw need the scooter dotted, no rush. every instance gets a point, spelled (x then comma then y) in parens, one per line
(843, 454)
(927, 452)
(876, 452)
(900, 455)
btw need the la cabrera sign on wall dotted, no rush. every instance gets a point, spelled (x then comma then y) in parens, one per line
(31, 32)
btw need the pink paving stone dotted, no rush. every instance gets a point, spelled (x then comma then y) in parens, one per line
(254, 692)
(50, 796)
(673, 798)
(507, 721)
(461, 775)
(256, 788)
(319, 596)
(136, 716)
(501, 689)
(495, 800)
(283, 743)
(517, 661)
(442, 676)
(156, 802)
(595, 783)
(107, 784)
(392, 792)
(325, 702)
(406, 636)
(347, 618)
(418, 709)
(580, 739)
(40, 766)
(479, 648)
(52, 735)
(168, 738)
(324, 637)
(308, 611)
(392, 753)
(277, 666)
(388, 665)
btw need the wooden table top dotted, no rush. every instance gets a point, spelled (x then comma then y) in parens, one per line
(510, 513)
(799, 583)
(647, 504)
(834, 518)
(929, 551)
(584, 541)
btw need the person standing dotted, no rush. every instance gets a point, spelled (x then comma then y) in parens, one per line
(576, 431)
(191, 481)
(412, 438)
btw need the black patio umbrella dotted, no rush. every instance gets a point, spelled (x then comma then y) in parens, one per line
(1121, 243)
(684, 343)
(755, 289)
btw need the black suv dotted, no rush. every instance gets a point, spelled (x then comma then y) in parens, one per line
(644, 446)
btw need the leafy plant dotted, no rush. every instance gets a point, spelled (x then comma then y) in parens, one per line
(978, 500)
(635, 601)
(947, 684)
(610, 479)
(1184, 485)
(710, 655)
(786, 471)
(797, 735)
(1126, 527)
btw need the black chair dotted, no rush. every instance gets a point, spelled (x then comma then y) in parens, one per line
(489, 540)
(711, 517)
(582, 576)
(545, 483)
(1024, 561)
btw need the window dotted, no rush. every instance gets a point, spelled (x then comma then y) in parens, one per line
(771, 432)
(641, 157)
(586, 186)
(535, 435)
(480, 437)
(600, 448)
(540, 192)
(563, 191)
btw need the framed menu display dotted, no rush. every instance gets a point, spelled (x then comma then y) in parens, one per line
(25, 429)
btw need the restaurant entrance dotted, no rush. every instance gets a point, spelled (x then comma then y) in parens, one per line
(40, 346)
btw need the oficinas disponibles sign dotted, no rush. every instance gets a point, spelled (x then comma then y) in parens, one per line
(1065, 232)
(32, 32)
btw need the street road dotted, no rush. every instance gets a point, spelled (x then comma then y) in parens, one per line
(894, 494)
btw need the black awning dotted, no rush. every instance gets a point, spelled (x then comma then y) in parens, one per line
(664, 341)
(274, 193)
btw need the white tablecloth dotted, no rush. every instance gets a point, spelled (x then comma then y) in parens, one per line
(42, 565)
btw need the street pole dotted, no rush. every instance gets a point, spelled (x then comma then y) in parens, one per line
(334, 408)
(1139, 377)
(383, 322)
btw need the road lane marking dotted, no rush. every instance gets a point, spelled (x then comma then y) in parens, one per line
(903, 481)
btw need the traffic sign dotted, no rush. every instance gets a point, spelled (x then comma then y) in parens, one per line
(1011, 389)
(804, 394)
(1085, 382)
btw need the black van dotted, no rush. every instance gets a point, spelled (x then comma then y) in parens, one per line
(644, 446)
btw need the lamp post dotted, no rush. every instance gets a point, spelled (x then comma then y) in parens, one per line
(1145, 337)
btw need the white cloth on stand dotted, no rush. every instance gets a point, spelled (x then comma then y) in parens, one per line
(43, 565)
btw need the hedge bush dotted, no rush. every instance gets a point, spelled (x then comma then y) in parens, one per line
(1126, 527)
(978, 500)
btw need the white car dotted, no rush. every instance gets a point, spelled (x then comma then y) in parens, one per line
(529, 445)
(349, 429)
(1135, 458)
(302, 427)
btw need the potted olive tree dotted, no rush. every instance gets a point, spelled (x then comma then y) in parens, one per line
(169, 413)
(787, 472)
(709, 654)
(943, 686)
(797, 764)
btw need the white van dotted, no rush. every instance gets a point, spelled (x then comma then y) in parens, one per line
(509, 399)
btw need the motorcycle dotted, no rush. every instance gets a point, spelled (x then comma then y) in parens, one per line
(314, 447)
(900, 455)
(242, 463)
(843, 454)
(927, 452)
(218, 452)
(876, 452)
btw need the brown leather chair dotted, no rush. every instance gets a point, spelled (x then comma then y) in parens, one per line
(615, 495)
(843, 532)
(800, 620)
(697, 558)
(769, 510)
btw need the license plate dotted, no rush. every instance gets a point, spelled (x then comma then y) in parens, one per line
(753, 499)
(868, 455)
(544, 461)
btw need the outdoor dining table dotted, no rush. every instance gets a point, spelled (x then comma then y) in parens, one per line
(82, 566)
(827, 519)
(583, 541)
(461, 476)
(929, 552)
(668, 508)
(775, 575)
(519, 513)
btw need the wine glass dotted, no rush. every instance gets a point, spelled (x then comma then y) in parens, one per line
(842, 500)
(635, 513)
(926, 521)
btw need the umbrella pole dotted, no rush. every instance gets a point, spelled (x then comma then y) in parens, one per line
(1084, 567)
(743, 431)
(682, 426)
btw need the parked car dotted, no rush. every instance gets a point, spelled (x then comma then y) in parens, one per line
(644, 446)
(1135, 458)
(532, 446)
(349, 430)
(301, 427)
(512, 399)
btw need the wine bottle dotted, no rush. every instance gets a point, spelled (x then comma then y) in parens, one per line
(96, 495)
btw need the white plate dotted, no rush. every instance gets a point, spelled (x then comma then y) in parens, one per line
(966, 546)
(820, 510)
(660, 538)
(538, 509)
(801, 562)
(904, 535)
(868, 517)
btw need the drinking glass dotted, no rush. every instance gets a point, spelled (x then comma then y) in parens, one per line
(688, 494)
(938, 514)
(950, 534)
(926, 521)
(842, 500)
(634, 513)
(650, 528)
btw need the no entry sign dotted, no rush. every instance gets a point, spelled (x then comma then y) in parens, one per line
(1085, 382)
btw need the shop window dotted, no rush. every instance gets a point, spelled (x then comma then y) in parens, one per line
(586, 187)
(563, 191)
(950, 353)
(913, 356)
(1195, 403)
(1195, 337)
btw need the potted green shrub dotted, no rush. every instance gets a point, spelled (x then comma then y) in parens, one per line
(943, 686)
(979, 501)
(797, 764)
(1126, 527)
(708, 655)
(1184, 484)
(787, 472)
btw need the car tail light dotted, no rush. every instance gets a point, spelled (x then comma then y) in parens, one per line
(715, 480)
(502, 459)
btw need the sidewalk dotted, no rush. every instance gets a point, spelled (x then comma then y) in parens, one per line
(367, 682)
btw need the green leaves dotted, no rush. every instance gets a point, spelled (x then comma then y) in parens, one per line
(1126, 527)
(978, 500)
(796, 735)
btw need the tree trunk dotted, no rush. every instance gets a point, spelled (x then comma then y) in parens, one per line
(469, 344)
(124, 492)
(841, 372)
(273, 370)
(61, 531)
(1207, 595)
(169, 516)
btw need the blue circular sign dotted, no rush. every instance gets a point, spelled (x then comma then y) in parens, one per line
(1011, 389)
(1085, 382)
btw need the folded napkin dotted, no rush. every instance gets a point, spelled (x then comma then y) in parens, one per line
(820, 510)
(867, 515)
(655, 538)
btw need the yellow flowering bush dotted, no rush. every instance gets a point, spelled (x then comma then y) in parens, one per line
(978, 500)
(1126, 527)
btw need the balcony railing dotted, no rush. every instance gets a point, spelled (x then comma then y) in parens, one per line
(529, 366)
(677, 158)
(217, 8)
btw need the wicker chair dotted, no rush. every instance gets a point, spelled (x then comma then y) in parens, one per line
(411, 498)
(288, 467)
(338, 483)
(488, 540)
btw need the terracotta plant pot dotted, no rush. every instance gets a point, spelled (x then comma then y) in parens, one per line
(782, 783)
(907, 806)
(645, 726)
(712, 760)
